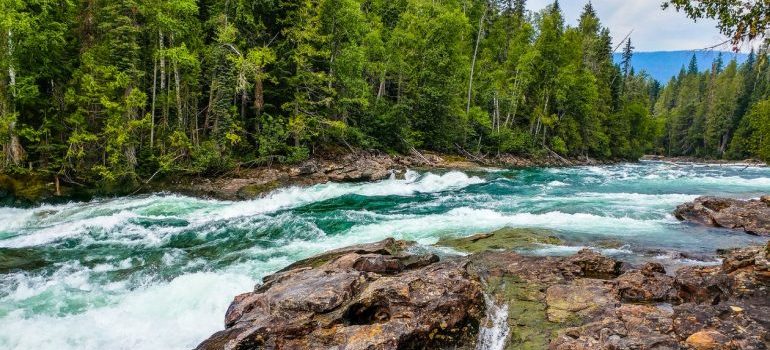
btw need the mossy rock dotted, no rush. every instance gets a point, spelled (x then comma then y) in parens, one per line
(24, 190)
(256, 190)
(503, 239)
(527, 312)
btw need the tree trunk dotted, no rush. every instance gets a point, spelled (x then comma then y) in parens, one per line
(259, 93)
(473, 62)
(58, 185)
(207, 119)
(162, 61)
(13, 149)
(177, 87)
(381, 89)
(152, 108)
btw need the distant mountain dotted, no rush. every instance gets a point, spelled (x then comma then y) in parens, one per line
(662, 65)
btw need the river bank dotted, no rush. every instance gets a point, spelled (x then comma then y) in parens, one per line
(249, 183)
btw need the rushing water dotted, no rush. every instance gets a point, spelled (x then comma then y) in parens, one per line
(158, 272)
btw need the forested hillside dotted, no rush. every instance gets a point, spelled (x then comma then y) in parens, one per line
(663, 65)
(723, 112)
(107, 91)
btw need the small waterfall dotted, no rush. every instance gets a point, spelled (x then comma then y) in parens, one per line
(494, 330)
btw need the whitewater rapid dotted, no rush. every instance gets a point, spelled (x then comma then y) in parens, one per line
(158, 271)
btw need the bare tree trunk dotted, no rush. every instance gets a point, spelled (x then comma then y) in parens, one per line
(130, 150)
(161, 48)
(259, 93)
(152, 108)
(206, 120)
(515, 98)
(545, 111)
(381, 89)
(177, 87)
(496, 113)
(400, 81)
(14, 151)
(162, 61)
(58, 185)
(473, 63)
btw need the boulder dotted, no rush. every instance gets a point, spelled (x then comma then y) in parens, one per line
(648, 284)
(385, 295)
(364, 297)
(595, 265)
(752, 216)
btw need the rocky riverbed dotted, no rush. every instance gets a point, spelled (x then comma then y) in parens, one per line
(398, 295)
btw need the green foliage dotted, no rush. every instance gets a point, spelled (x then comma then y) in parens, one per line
(116, 92)
(742, 21)
(718, 113)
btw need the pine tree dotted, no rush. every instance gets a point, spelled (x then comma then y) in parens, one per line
(628, 54)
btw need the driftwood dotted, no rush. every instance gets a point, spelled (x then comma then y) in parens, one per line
(557, 156)
(415, 152)
(471, 156)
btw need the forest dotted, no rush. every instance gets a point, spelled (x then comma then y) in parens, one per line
(723, 112)
(97, 91)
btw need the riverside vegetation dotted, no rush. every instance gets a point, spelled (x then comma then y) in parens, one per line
(111, 94)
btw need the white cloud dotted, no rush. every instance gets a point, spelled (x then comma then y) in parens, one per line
(653, 28)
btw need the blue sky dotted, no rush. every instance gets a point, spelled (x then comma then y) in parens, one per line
(654, 29)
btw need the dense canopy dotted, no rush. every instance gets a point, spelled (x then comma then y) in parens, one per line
(97, 91)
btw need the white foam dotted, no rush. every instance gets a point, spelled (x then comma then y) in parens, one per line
(113, 217)
(493, 334)
(68, 229)
(12, 218)
(426, 229)
(174, 315)
(639, 199)
(294, 197)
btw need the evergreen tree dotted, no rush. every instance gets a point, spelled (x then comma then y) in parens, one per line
(116, 93)
(628, 54)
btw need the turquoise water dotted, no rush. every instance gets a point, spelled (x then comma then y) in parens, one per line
(158, 272)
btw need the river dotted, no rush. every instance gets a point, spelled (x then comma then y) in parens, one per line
(158, 271)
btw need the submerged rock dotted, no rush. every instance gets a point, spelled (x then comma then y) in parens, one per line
(503, 239)
(383, 296)
(752, 216)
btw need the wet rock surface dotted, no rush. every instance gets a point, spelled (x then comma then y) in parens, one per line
(363, 297)
(387, 295)
(503, 239)
(752, 216)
